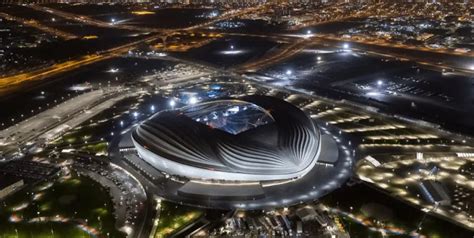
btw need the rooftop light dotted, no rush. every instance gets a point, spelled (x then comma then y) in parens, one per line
(193, 100)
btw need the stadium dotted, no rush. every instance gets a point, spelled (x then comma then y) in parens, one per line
(235, 140)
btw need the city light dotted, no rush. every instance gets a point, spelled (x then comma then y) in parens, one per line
(193, 100)
(214, 14)
(172, 103)
(113, 70)
(248, 117)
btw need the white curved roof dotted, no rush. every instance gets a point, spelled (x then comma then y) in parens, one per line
(284, 146)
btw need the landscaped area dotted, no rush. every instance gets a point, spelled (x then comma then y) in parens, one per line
(383, 216)
(174, 217)
(72, 206)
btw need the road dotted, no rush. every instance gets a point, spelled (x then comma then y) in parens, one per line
(128, 195)
(429, 58)
(94, 22)
(49, 124)
(422, 55)
(280, 54)
(229, 15)
(39, 26)
(9, 82)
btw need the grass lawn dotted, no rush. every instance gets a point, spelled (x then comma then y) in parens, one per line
(100, 147)
(405, 217)
(75, 207)
(173, 217)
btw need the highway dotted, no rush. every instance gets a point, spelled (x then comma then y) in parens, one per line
(421, 55)
(8, 83)
(429, 58)
(39, 26)
(93, 22)
(376, 42)
(281, 54)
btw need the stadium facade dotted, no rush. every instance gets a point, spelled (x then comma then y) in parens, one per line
(248, 139)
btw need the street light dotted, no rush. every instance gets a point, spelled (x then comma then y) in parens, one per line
(379, 82)
(308, 32)
(172, 103)
(345, 46)
(193, 100)
(289, 72)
